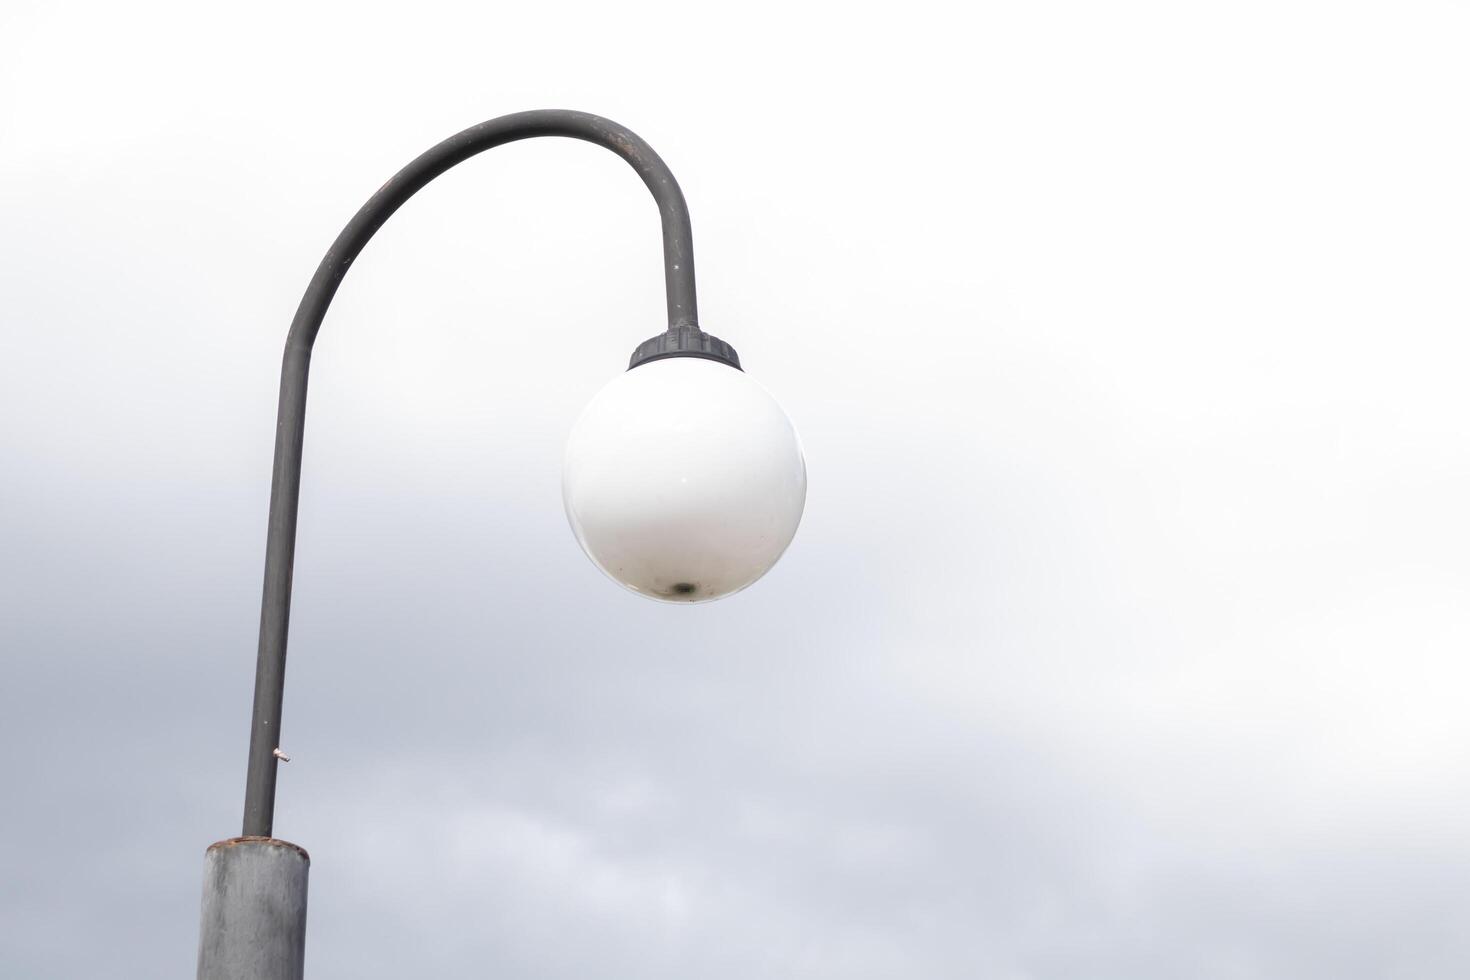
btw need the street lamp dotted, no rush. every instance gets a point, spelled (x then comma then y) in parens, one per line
(683, 480)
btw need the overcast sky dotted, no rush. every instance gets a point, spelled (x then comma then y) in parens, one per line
(1125, 636)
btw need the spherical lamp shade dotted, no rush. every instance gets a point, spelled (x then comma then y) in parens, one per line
(684, 480)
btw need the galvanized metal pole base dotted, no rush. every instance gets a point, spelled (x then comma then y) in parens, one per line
(253, 925)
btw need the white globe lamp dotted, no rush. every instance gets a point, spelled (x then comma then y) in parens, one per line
(684, 480)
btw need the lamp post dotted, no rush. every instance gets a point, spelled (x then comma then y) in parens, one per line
(683, 480)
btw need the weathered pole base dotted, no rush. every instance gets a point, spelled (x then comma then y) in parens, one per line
(253, 925)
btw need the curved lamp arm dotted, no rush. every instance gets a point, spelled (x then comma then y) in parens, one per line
(275, 611)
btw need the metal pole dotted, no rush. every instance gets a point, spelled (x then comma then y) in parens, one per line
(253, 923)
(270, 668)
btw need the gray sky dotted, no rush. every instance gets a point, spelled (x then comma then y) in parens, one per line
(1126, 632)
